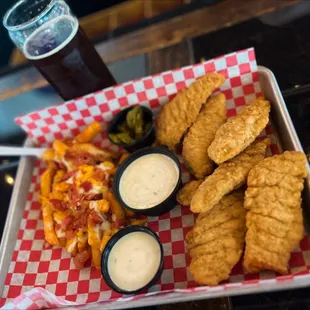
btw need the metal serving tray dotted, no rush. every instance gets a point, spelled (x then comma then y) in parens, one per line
(289, 141)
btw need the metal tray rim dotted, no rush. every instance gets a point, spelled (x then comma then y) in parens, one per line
(8, 232)
(269, 285)
(284, 110)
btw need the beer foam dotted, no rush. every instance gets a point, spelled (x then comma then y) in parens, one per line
(72, 21)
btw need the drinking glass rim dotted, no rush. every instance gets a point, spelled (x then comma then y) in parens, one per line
(27, 23)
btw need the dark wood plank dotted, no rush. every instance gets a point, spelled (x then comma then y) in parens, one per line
(171, 57)
(175, 30)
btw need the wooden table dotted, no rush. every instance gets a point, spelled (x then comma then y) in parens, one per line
(166, 44)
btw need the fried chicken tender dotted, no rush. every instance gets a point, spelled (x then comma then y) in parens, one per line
(176, 116)
(227, 177)
(240, 131)
(201, 134)
(185, 194)
(216, 242)
(274, 220)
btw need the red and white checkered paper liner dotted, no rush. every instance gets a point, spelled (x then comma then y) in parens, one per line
(40, 277)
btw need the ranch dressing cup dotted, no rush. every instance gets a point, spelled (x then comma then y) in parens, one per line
(148, 180)
(132, 260)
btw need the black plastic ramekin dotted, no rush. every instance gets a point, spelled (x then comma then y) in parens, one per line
(166, 205)
(109, 247)
(148, 138)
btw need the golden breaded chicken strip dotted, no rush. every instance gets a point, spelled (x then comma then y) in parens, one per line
(216, 242)
(176, 116)
(227, 177)
(240, 131)
(201, 134)
(185, 194)
(274, 221)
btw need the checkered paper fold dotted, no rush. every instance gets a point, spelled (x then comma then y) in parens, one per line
(40, 277)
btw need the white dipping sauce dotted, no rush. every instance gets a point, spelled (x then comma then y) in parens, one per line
(134, 261)
(148, 181)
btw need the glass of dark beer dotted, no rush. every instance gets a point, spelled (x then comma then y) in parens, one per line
(49, 36)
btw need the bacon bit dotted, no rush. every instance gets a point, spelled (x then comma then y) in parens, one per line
(67, 221)
(110, 182)
(86, 186)
(68, 175)
(117, 224)
(93, 197)
(97, 197)
(58, 205)
(79, 159)
(83, 220)
(62, 166)
(80, 221)
(57, 227)
(70, 154)
(70, 234)
(96, 219)
(80, 259)
(84, 160)
(73, 194)
(84, 207)
(65, 205)
(99, 174)
(78, 206)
